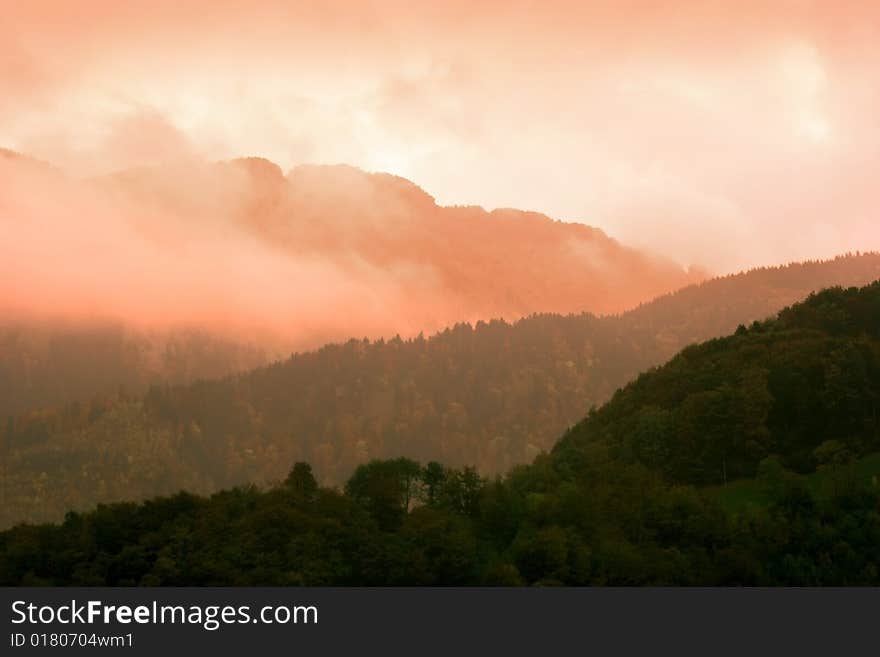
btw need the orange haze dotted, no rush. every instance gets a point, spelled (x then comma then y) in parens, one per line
(726, 134)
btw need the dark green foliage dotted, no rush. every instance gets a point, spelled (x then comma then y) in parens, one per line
(640, 493)
(613, 524)
(302, 482)
(385, 489)
(805, 387)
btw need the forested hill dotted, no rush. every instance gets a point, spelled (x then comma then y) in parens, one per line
(804, 388)
(715, 307)
(491, 395)
(747, 460)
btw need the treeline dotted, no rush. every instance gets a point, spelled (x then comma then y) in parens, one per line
(632, 495)
(491, 395)
(604, 523)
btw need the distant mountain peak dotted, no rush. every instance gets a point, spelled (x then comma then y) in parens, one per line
(354, 183)
(259, 168)
(27, 160)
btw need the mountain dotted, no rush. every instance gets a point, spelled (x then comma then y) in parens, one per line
(782, 414)
(491, 395)
(446, 263)
(125, 279)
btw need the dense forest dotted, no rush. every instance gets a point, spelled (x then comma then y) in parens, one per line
(491, 396)
(749, 459)
(53, 363)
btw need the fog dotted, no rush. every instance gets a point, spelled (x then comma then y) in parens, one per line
(292, 261)
(89, 251)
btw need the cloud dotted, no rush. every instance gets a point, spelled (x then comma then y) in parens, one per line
(729, 131)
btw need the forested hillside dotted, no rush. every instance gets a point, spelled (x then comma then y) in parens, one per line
(53, 363)
(492, 395)
(783, 414)
(804, 387)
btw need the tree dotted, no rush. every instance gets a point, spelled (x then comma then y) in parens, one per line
(386, 489)
(460, 491)
(832, 453)
(301, 482)
(433, 478)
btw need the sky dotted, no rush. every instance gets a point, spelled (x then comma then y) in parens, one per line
(724, 134)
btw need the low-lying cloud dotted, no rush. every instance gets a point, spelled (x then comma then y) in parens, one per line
(323, 253)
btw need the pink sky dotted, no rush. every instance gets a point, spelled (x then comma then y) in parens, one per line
(727, 134)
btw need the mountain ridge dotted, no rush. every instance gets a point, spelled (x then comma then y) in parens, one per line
(379, 244)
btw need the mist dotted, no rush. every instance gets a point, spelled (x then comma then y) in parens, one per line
(323, 253)
(88, 251)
